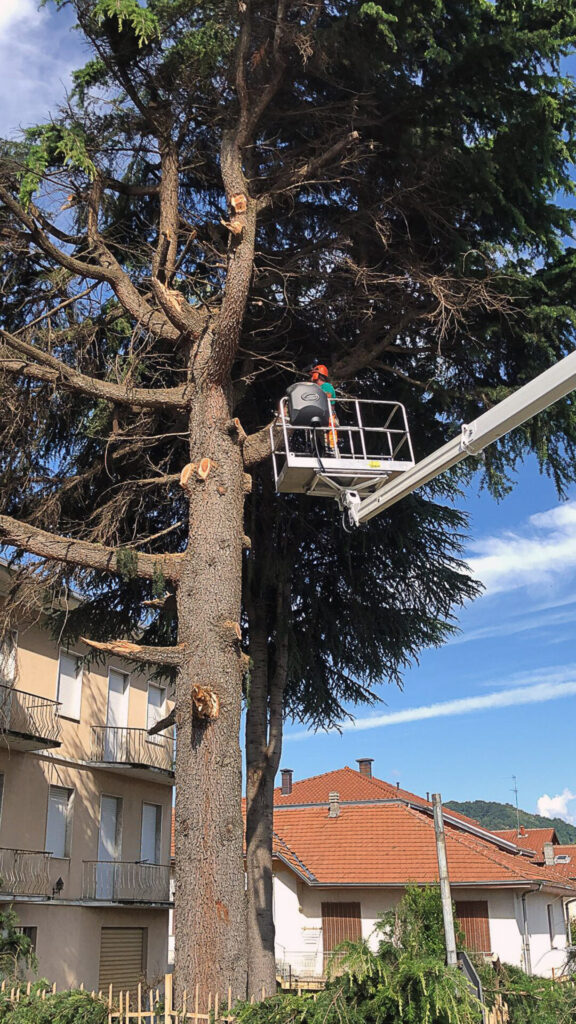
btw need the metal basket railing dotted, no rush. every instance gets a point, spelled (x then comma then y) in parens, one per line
(119, 745)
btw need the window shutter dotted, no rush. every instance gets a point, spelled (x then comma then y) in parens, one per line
(69, 685)
(57, 826)
(473, 919)
(340, 922)
(122, 953)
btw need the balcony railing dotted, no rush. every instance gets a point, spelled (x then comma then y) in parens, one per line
(28, 720)
(25, 872)
(132, 747)
(121, 881)
(299, 966)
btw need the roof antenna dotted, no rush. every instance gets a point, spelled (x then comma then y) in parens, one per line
(515, 791)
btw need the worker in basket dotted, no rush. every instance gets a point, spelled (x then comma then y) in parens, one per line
(319, 375)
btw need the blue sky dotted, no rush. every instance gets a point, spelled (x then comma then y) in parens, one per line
(499, 700)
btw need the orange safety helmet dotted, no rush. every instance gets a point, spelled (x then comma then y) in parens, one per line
(320, 371)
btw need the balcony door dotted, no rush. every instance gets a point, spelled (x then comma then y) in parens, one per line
(108, 846)
(115, 747)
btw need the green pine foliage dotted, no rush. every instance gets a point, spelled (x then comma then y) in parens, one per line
(530, 1000)
(16, 950)
(494, 815)
(73, 1007)
(405, 982)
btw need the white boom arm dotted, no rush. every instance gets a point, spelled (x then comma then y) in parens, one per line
(529, 400)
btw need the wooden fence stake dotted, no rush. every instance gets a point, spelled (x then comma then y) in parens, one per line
(168, 991)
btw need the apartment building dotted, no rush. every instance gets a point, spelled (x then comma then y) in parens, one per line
(85, 812)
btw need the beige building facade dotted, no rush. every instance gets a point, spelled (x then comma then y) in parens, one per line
(85, 817)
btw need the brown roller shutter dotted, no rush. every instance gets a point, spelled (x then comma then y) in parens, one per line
(122, 964)
(474, 921)
(340, 921)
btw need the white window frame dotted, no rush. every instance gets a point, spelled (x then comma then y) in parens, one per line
(73, 713)
(67, 825)
(158, 836)
(10, 658)
(118, 838)
(156, 738)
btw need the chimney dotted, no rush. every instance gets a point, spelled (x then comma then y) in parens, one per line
(286, 774)
(522, 831)
(397, 785)
(365, 766)
(549, 854)
(333, 805)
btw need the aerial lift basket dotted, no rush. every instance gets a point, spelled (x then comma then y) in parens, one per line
(370, 444)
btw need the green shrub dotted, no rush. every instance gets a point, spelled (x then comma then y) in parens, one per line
(60, 1008)
(405, 982)
(16, 950)
(530, 1000)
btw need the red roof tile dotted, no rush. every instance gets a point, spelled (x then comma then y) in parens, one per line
(529, 838)
(351, 785)
(392, 844)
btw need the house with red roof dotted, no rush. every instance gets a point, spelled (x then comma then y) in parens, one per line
(545, 849)
(346, 844)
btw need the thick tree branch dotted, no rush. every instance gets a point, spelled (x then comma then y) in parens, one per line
(83, 553)
(107, 269)
(164, 723)
(126, 189)
(46, 367)
(165, 256)
(258, 446)
(312, 166)
(138, 652)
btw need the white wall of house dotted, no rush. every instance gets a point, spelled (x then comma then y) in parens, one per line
(298, 919)
(546, 954)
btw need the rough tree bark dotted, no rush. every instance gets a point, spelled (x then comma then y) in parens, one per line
(208, 759)
(268, 627)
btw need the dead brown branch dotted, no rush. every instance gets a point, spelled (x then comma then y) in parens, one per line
(138, 652)
(82, 553)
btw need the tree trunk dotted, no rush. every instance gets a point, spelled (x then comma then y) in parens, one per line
(264, 722)
(210, 918)
(260, 773)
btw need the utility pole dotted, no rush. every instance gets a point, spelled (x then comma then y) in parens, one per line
(451, 955)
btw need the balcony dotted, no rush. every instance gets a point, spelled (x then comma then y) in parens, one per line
(121, 881)
(25, 873)
(133, 752)
(27, 721)
(303, 969)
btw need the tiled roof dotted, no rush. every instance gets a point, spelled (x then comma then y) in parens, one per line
(351, 785)
(529, 838)
(566, 868)
(392, 844)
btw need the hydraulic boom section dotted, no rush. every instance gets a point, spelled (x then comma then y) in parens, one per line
(532, 398)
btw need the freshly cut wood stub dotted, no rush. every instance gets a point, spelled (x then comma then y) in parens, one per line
(238, 202)
(232, 631)
(205, 703)
(203, 468)
(186, 475)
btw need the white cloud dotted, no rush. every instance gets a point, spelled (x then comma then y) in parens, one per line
(556, 806)
(536, 622)
(13, 11)
(543, 552)
(533, 694)
(37, 53)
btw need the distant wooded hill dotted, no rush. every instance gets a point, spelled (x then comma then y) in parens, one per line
(495, 816)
